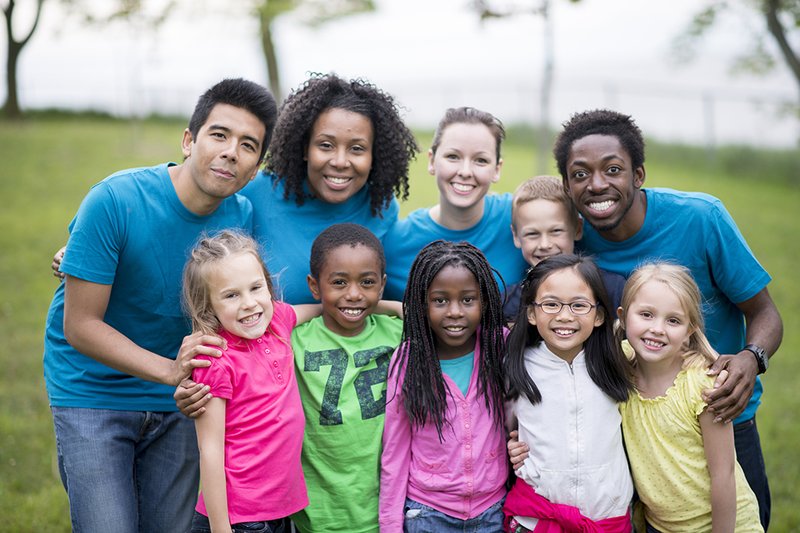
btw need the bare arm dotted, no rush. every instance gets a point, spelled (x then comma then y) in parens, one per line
(85, 306)
(390, 307)
(306, 312)
(211, 442)
(765, 328)
(721, 459)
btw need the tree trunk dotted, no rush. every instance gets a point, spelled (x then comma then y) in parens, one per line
(268, 47)
(11, 108)
(543, 142)
(771, 8)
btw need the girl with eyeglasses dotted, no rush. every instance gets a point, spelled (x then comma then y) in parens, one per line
(566, 374)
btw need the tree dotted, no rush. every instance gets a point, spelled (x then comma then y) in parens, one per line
(311, 12)
(540, 8)
(14, 47)
(781, 23)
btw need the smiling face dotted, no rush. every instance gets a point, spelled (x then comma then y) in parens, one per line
(339, 154)
(465, 165)
(240, 295)
(225, 155)
(656, 325)
(454, 311)
(542, 229)
(564, 332)
(350, 285)
(605, 187)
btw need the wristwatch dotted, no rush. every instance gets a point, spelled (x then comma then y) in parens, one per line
(761, 356)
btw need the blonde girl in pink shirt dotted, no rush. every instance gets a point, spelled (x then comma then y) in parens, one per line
(444, 463)
(251, 434)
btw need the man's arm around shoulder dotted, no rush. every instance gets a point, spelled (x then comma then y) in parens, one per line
(765, 329)
(85, 305)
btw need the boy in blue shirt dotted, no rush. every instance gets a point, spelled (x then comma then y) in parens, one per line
(544, 223)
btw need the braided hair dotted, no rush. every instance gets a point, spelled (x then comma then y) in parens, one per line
(424, 392)
(393, 146)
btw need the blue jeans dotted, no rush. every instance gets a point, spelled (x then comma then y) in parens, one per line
(423, 519)
(200, 524)
(127, 471)
(748, 452)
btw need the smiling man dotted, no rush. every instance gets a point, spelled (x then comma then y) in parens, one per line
(113, 341)
(600, 156)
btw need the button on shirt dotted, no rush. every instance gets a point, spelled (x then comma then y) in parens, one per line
(264, 422)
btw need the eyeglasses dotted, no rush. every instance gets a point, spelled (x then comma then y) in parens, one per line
(553, 307)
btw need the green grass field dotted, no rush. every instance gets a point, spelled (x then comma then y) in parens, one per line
(51, 163)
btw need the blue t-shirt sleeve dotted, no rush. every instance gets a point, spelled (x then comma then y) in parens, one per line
(96, 237)
(388, 218)
(733, 265)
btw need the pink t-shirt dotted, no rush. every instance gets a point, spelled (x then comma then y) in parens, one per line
(263, 422)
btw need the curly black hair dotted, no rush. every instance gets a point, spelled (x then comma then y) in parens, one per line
(424, 393)
(599, 122)
(393, 148)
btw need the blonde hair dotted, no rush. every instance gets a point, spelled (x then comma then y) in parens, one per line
(679, 280)
(545, 188)
(208, 252)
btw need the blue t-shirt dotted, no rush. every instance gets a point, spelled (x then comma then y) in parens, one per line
(459, 370)
(131, 232)
(286, 230)
(492, 235)
(696, 231)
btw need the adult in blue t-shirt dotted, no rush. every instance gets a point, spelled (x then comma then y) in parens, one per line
(340, 153)
(115, 344)
(465, 160)
(600, 156)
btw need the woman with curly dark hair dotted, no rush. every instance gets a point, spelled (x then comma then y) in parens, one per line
(340, 153)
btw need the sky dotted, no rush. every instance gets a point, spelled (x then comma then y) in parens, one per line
(430, 55)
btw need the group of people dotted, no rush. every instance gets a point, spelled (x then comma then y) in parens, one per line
(263, 304)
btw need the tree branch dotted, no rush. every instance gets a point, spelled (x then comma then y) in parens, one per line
(25, 40)
(771, 8)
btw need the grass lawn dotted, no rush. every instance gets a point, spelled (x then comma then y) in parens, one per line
(51, 163)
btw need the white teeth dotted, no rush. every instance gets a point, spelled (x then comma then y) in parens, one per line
(351, 312)
(455, 329)
(653, 344)
(462, 187)
(337, 181)
(601, 206)
(564, 331)
(250, 319)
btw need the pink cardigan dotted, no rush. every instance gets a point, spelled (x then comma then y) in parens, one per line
(462, 476)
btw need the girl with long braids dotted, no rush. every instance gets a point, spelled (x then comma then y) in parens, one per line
(444, 464)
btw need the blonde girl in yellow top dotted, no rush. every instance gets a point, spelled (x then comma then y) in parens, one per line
(684, 465)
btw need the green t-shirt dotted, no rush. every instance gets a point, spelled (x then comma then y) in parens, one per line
(342, 383)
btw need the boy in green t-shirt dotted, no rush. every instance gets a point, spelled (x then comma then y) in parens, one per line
(341, 360)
